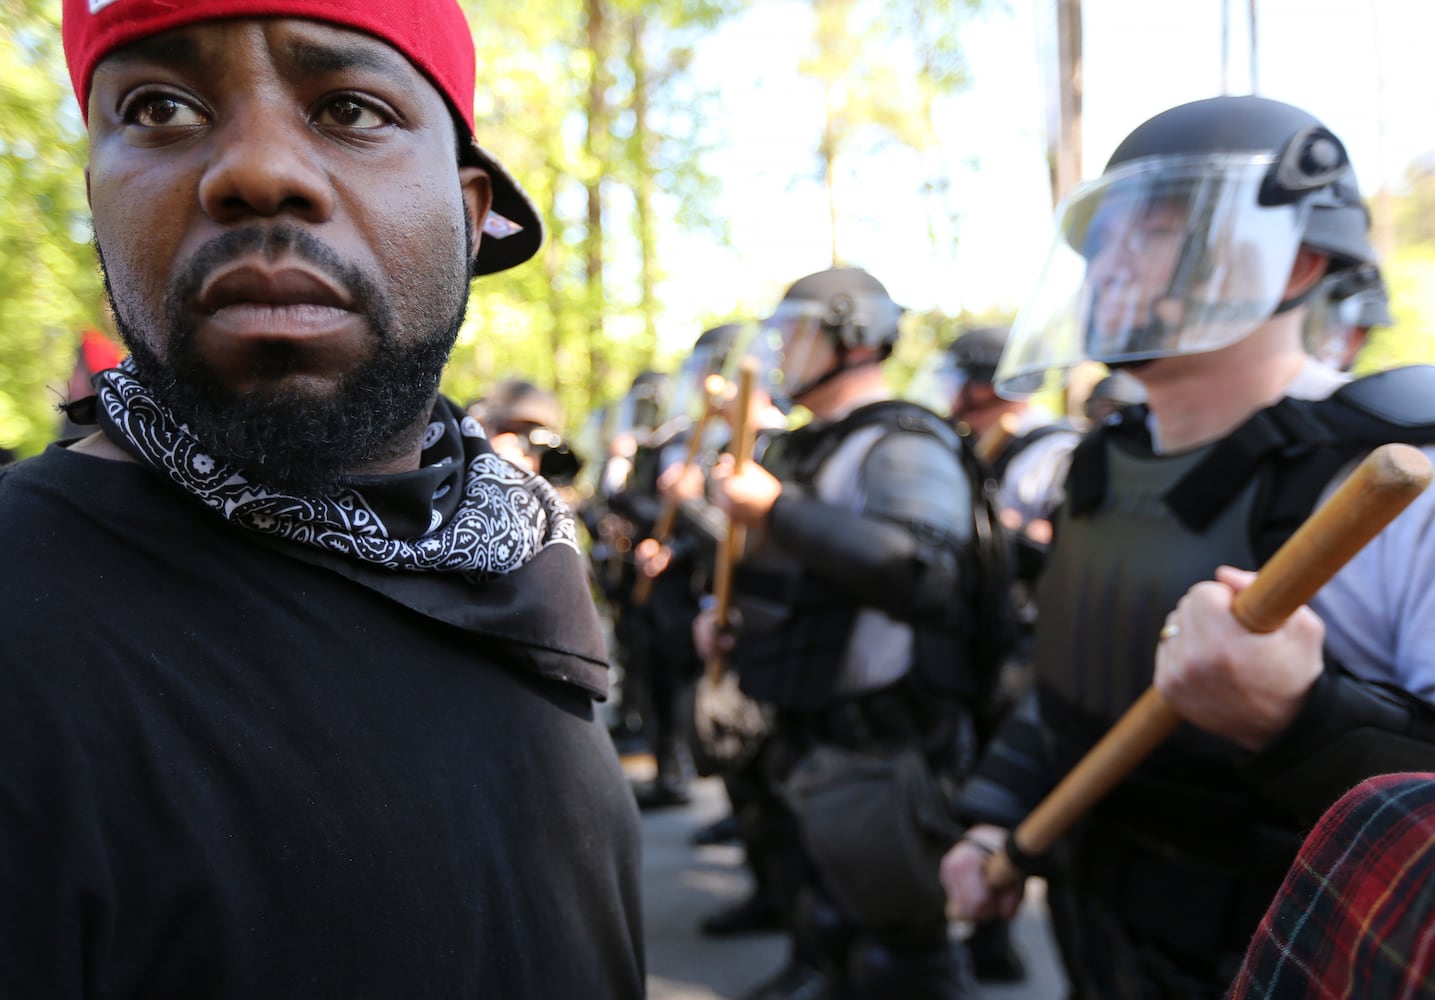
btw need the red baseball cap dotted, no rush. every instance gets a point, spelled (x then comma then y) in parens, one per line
(433, 34)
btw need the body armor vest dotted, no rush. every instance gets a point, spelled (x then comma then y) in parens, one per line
(796, 627)
(1137, 531)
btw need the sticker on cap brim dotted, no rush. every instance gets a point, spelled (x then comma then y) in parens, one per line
(494, 225)
(98, 5)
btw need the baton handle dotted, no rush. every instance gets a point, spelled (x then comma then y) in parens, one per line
(1381, 487)
(732, 543)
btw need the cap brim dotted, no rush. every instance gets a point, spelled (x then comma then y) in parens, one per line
(513, 231)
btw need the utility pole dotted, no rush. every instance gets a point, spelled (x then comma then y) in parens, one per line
(1225, 47)
(1255, 51)
(1065, 158)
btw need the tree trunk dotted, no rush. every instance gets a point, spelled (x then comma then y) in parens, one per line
(596, 146)
(643, 181)
(828, 153)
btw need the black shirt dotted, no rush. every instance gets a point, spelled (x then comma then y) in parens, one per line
(225, 772)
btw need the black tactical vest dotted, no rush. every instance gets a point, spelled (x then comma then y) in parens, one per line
(795, 627)
(1137, 531)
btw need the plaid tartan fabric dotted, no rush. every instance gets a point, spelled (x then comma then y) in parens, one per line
(1356, 914)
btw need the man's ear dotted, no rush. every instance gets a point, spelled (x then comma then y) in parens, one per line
(1309, 267)
(478, 198)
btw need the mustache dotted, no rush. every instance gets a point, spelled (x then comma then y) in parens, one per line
(273, 242)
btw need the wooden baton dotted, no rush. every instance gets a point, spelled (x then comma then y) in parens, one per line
(713, 387)
(732, 543)
(1381, 487)
(998, 436)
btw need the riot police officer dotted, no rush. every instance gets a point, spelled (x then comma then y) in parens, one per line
(1024, 450)
(855, 600)
(524, 424)
(1343, 311)
(1189, 263)
(1026, 447)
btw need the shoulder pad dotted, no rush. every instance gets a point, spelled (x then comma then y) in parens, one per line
(1404, 397)
(902, 415)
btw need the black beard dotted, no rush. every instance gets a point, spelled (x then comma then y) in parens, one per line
(290, 439)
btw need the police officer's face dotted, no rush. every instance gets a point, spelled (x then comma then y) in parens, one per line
(1131, 263)
(284, 227)
(807, 355)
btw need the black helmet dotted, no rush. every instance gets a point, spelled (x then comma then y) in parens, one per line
(849, 307)
(1185, 244)
(645, 405)
(1310, 164)
(976, 353)
(516, 403)
(1345, 306)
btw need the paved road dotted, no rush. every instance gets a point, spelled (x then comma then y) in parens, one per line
(682, 884)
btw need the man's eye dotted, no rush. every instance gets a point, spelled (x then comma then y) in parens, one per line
(348, 113)
(161, 112)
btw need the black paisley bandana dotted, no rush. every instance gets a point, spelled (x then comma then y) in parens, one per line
(465, 510)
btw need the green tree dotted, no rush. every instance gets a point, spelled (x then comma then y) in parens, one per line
(882, 68)
(50, 289)
(598, 114)
(1409, 272)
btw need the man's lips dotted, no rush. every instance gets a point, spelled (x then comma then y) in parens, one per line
(256, 300)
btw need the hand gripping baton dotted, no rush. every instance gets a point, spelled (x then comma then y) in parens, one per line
(1381, 487)
(713, 387)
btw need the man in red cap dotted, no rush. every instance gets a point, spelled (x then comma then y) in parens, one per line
(328, 729)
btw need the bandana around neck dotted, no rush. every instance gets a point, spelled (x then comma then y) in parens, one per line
(465, 510)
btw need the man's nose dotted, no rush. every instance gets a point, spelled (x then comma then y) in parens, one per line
(1114, 255)
(266, 161)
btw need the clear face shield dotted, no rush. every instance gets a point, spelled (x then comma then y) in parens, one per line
(936, 383)
(1343, 308)
(794, 350)
(1167, 256)
(640, 413)
(759, 345)
(692, 384)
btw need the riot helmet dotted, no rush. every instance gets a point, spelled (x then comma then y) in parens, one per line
(974, 355)
(643, 408)
(1342, 310)
(709, 356)
(822, 320)
(1186, 242)
(515, 404)
(534, 417)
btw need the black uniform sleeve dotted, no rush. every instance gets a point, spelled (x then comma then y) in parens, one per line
(1014, 773)
(899, 553)
(1348, 730)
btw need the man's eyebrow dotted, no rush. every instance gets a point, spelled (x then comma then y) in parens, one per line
(315, 58)
(168, 50)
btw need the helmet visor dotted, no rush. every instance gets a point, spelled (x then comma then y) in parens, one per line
(792, 350)
(640, 412)
(1163, 257)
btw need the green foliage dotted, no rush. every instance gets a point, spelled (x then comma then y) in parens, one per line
(1410, 278)
(883, 64)
(532, 105)
(531, 110)
(50, 288)
(1409, 273)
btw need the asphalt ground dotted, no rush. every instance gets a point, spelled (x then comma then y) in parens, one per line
(682, 884)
